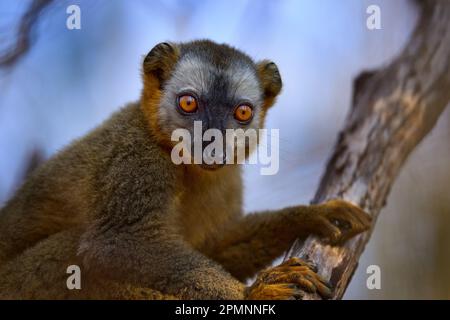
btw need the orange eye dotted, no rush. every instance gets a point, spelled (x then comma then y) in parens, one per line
(187, 103)
(243, 113)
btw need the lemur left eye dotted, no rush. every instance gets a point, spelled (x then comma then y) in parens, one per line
(243, 113)
(187, 103)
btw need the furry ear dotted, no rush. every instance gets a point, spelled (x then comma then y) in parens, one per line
(160, 61)
(270, 81)
(157, 68)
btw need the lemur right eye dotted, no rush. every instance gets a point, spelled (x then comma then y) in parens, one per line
(187, 103)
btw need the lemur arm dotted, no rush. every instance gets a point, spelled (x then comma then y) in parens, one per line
(163, 263)
(251, 243)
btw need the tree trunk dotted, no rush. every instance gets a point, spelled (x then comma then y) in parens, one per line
(393, 108)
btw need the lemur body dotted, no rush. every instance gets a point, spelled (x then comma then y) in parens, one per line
(140, 226)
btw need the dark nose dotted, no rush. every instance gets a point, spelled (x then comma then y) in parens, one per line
(215, 152)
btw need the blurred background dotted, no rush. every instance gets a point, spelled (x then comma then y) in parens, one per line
(69, 81)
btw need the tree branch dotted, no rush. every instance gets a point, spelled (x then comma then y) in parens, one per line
(24, 34)
(393, 108)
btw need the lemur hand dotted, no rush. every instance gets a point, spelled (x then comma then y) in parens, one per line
(337, 221)
(288, 281)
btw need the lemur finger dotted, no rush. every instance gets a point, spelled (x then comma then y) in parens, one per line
(298, 262)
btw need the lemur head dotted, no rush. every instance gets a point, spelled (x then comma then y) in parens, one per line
(203, 81)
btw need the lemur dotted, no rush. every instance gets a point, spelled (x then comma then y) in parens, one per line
(141, 227)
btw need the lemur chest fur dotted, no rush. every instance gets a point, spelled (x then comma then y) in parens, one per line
(208, 200)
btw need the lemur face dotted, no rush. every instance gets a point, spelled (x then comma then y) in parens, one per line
(216, 85)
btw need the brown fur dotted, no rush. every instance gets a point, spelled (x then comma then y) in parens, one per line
(141, 227)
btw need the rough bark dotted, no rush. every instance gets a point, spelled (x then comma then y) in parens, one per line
(393, 109)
